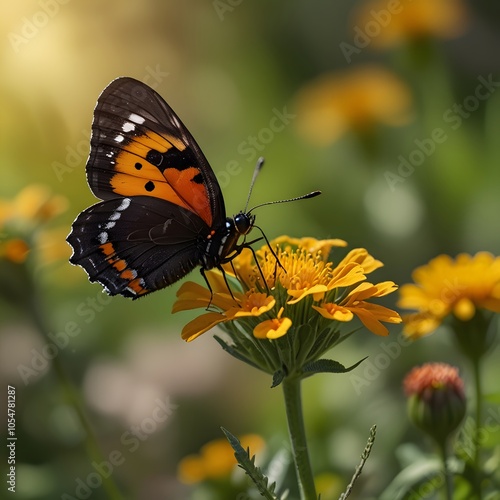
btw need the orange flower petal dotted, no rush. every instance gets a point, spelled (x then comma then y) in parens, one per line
(272, 328)
(201, 324)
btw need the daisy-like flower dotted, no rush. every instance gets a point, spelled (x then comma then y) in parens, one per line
(356, 100)
(447, 287)
(215, 460)
(27, 239)
(22, 225)
(285, 308)
(415, 20)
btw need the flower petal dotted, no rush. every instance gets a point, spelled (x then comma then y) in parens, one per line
(333, 311)
(201, 324)
(272, 328)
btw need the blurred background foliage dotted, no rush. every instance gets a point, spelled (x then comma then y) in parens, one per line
(383, 113)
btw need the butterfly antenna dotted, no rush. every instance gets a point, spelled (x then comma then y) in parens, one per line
(258, 167)
(303, 197)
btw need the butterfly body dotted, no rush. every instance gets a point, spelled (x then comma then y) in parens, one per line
(162, 212)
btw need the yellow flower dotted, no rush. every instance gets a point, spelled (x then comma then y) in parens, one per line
(22, 225)
(357, 99)
(295, 272)
(16, 250)
(34, 204)
(287, 303)
(413, 20)
(216, 459)
(449, 286)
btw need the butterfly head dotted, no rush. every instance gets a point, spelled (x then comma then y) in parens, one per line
(243, 222)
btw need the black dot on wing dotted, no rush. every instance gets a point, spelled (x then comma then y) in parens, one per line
(149, 186)
(154, 157)
(198, 178)
(138, 166)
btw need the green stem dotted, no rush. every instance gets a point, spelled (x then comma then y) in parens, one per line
(443, 448)
(476, 363)
(73, 397)
(296, 429)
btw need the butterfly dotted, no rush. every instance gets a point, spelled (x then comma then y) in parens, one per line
(162, 212)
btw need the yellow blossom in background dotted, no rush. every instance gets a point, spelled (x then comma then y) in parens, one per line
(216, 459)
(415, 20)
(23, 223)
(357, 99)
(35, 204)
(448, 286)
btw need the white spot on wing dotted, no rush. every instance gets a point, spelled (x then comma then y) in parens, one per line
(109, 225)
(102, 237)
(119, 138)
(124, 204)
(136, 118)
(128, 127)
(115, 216)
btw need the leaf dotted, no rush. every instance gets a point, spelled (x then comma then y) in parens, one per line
(234, 352)
(248, 465)
(278, 377)
(328, 366)
(420, 473)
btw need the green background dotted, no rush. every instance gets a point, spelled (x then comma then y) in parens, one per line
(225, 71)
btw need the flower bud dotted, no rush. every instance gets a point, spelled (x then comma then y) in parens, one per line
(436, 399)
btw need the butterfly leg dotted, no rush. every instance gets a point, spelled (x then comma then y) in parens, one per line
(202, 271)
(209, 286)
(238, 250)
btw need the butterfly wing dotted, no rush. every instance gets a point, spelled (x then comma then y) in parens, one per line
(140, 147)
(134, 246)
(161, 199)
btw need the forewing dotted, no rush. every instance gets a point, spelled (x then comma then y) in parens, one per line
(140, 147)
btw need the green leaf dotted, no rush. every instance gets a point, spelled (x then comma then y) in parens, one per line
(328, 366)
(424, 472)
(248, 465)
(234, 352)
(278, 377)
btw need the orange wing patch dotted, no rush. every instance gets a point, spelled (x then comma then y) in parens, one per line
(185, 184)
(136, 176)
(121, 266)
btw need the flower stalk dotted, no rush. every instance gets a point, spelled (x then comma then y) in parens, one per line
(477, 431)
(295, 419)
